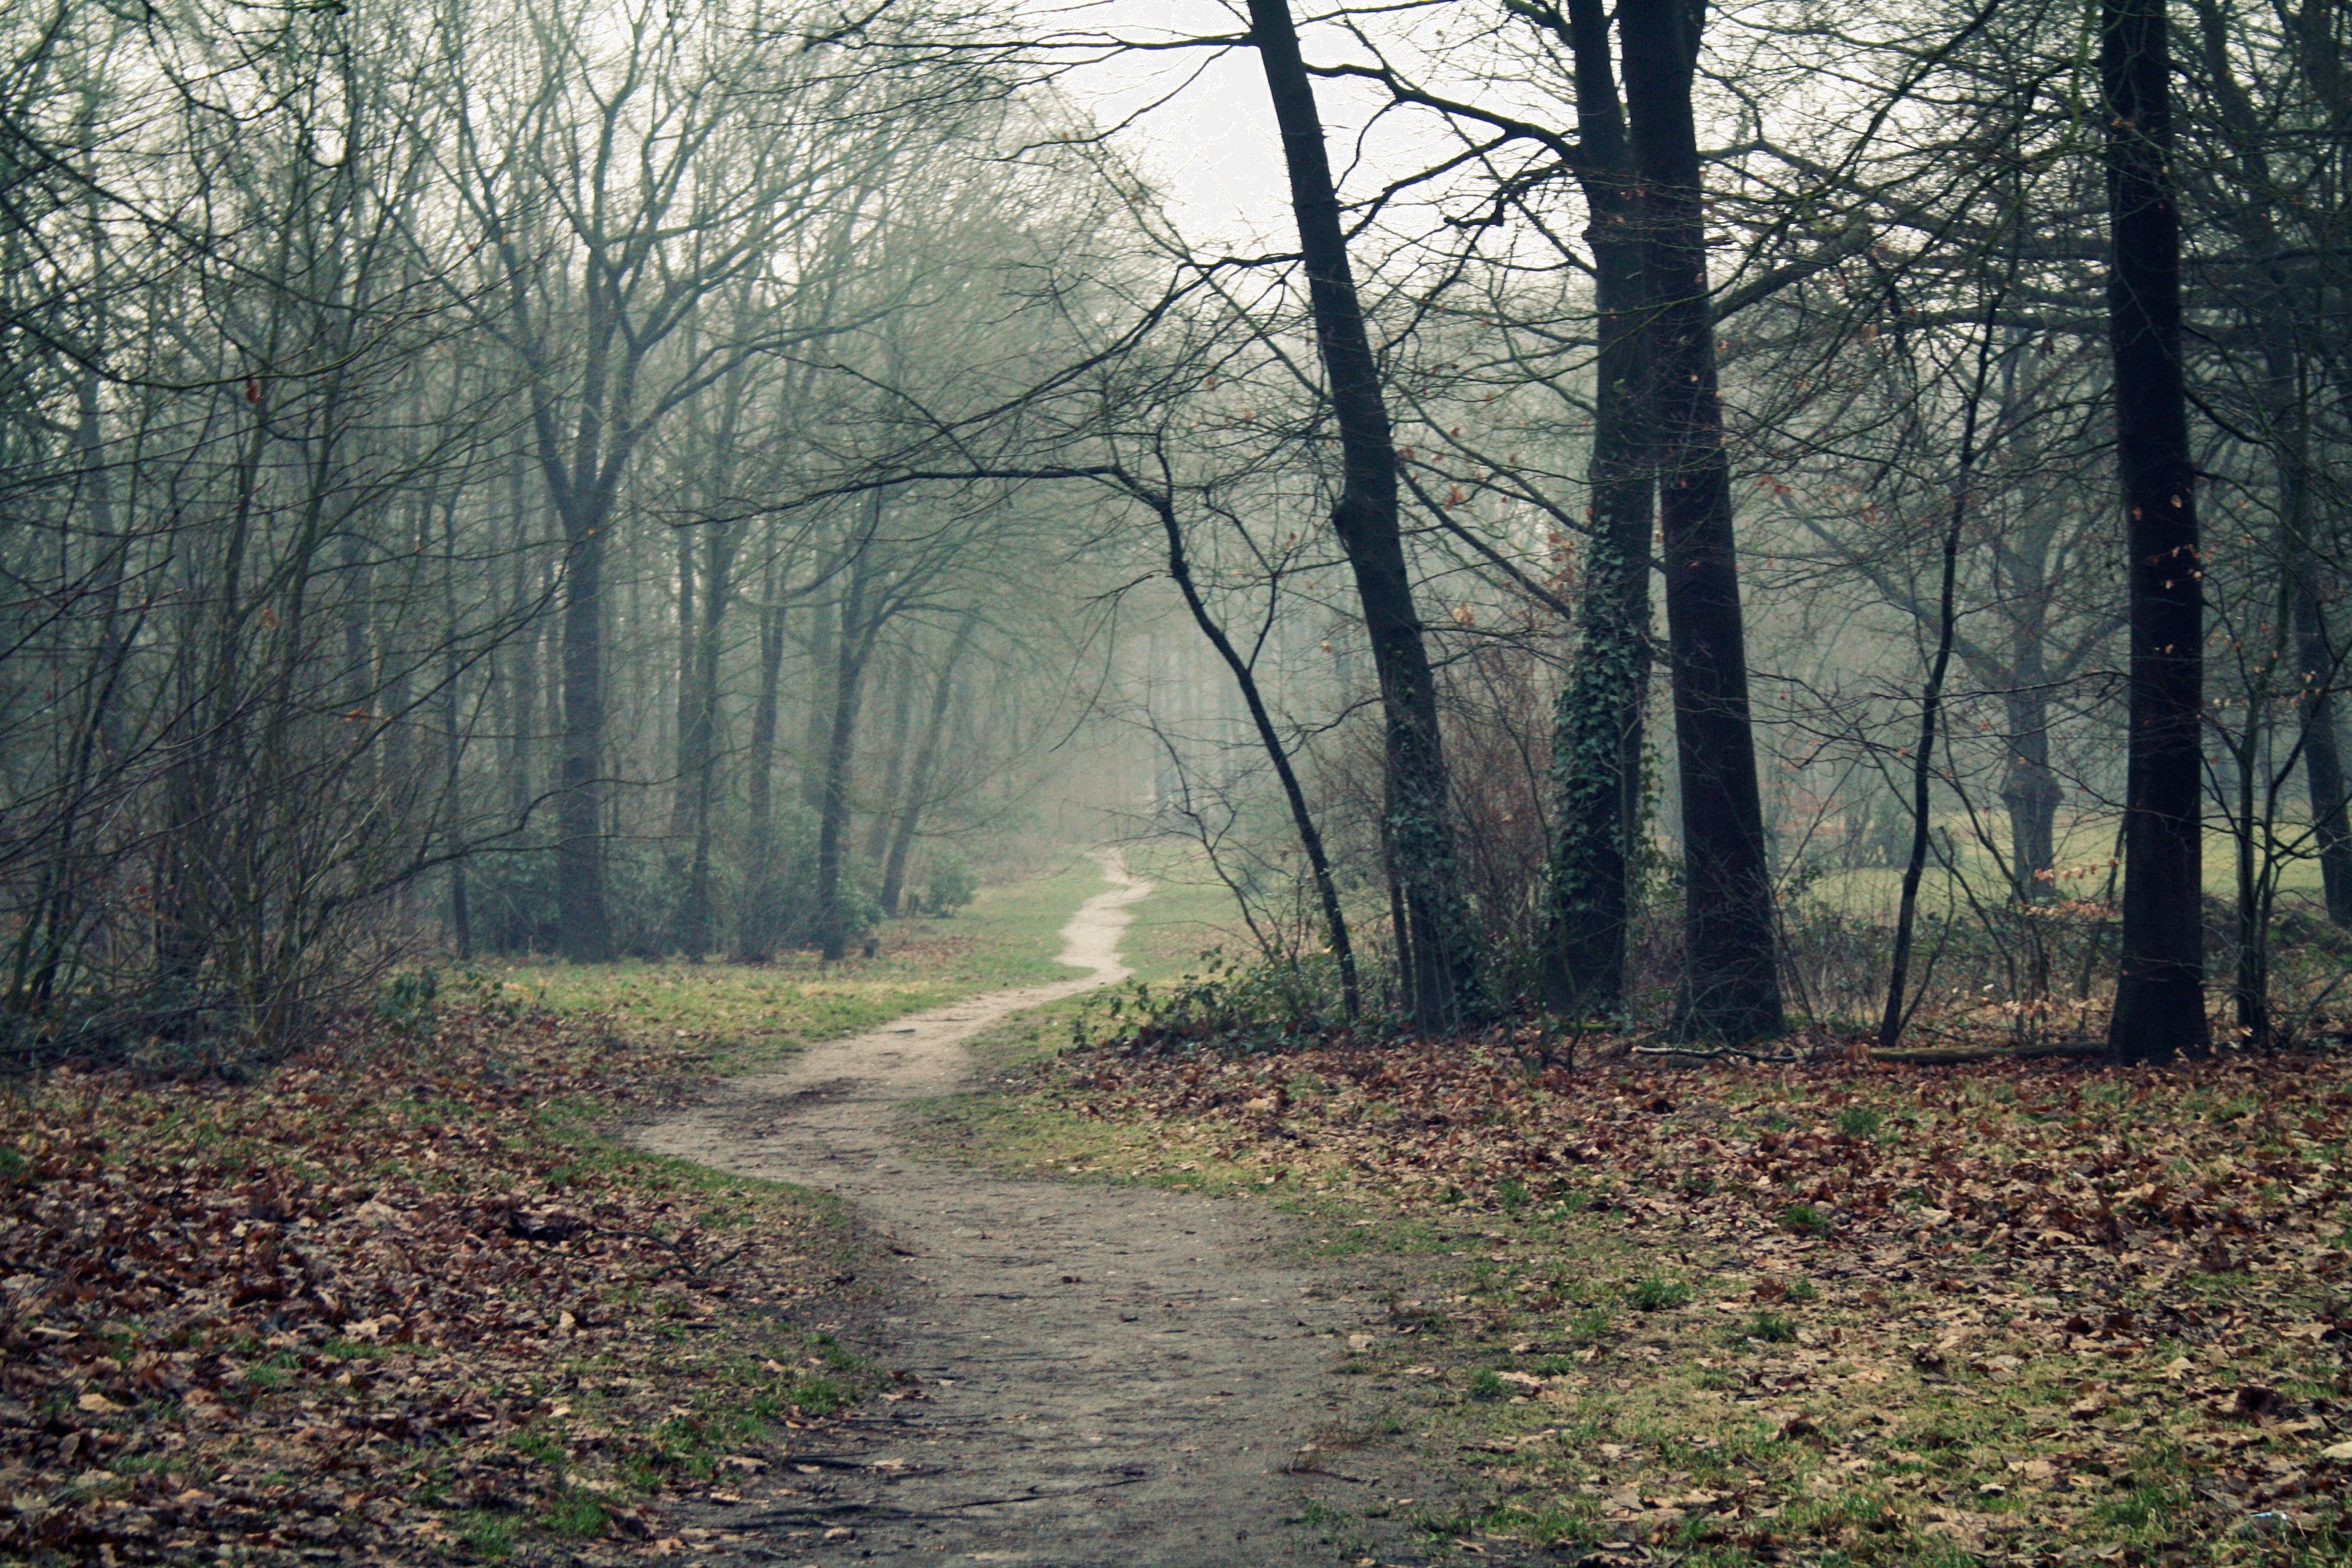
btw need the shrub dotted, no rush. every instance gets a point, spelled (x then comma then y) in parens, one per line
(948, 884)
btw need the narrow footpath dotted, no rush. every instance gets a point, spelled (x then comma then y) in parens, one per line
(1102, 1376)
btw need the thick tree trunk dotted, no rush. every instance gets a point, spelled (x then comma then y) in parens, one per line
(755, 932)
(1596, 728)
(1731, 988)
(1444, 982)
(919, 779)
(2160, 993)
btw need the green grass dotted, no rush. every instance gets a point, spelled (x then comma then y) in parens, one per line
(1189, 913)
(2083, 849)
(1653, 1294)
(1008, 936)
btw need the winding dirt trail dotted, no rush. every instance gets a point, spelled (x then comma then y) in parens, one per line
(1106, 1376)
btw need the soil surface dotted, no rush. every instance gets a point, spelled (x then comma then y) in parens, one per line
(1097, 1375)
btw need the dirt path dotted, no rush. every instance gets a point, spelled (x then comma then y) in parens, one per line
(1103, 1376)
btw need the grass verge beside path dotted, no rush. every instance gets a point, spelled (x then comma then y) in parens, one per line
(748, 1015)
(1834, 1316)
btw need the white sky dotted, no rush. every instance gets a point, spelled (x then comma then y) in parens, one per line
(1211, 149)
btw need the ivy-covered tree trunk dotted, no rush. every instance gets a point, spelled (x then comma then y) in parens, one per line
(1597, 727)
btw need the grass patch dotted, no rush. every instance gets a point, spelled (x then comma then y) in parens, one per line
(1655, 1293)
(749, 1016)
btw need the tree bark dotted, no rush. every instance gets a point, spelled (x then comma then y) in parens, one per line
(2161, 994)
(823, 647)
(1731, 988)
(698, 747)
(461, 912)
(894, 757)
(519, 674)
(1596, 728)
(681, 807)
(919, 779)
(584, 933)
(2030, 788)
(854, 644)
(755, 932)
(1442, 980)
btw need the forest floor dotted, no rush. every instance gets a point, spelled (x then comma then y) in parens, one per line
(1997, 1313)
(871, 1263)
(404, 1298)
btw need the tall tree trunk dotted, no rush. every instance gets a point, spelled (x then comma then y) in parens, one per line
(1597, 727)
(699, 752)
(1731, 986)
(2281, 323)
(1310, 838)
(2029, 786)
(755, 933)
(919, 779)
(894, 757)
(2160, 993)
(1443, 980)
(853, 645)
(823, 650)
(690, 692)
(461, 913)
(585, 933)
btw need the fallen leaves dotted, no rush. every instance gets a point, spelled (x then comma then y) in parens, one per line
(332, 1312)
(2012, 1307)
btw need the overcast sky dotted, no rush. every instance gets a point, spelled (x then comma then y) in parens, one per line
(1212, 148)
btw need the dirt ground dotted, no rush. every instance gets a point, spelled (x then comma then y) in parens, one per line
(1092, 1375)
